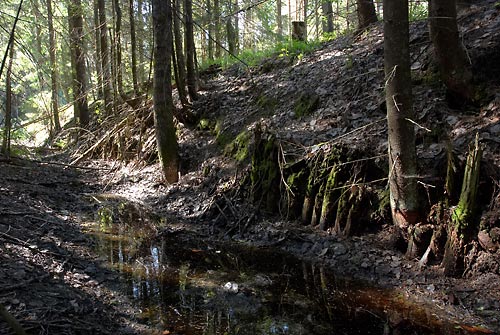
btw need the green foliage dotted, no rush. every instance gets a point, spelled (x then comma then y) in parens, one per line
(418, 11)
(105, 217)
(296, 48)
(326, 37)
(292, 49)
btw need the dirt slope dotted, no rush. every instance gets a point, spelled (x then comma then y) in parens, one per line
(52, 280)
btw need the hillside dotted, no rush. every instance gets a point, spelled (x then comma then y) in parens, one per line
(294, 113)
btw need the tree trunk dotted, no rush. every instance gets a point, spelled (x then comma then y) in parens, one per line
(190, 50)
(217, 30)
(105, 63)
(231, 36)
(305, 18)
(299, 31)
(38, 38)
(141, 70)
(279, 21)
(162, 97)
(248, 30)
(75, 11)
(210, 41)
(181, 62)
(236, 29)
(133, 47)
(402, 156)
(327, 17)
(366, 13)
(463, 218)
(97, 54)
(454, 65)
(53, 69)
(118, 46)
(8, 104)
(113, 54)
(316, 18)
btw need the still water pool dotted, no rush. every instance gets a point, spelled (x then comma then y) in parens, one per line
(185, 285)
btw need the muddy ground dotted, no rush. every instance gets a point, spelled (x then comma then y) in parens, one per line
(53, 281)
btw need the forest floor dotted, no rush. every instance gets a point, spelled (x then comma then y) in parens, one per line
(53, 281)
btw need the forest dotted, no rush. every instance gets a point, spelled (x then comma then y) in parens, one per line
(250, 167)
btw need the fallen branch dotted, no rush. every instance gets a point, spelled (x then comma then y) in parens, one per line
(98, 143)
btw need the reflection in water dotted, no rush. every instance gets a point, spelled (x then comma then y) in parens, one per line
(186, 287)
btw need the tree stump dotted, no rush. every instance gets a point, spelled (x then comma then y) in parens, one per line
(461, 226)
(299, 31)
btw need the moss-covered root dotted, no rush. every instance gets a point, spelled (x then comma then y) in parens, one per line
(318, 205)
(295, 190)
(350, 210)
(265, 170)
(328, 209)
(312, 188)
(462, 225)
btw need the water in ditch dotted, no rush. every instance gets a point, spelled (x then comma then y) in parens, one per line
(185, 285)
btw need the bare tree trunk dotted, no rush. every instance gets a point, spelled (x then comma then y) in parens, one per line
(53, 68)
(180, 60)
(133, 47)
(305, 3)
(366, 13)
(402, 156)
(454, 65)
(118, 51)
(8, 104)
(231, 36)
(290, 18)
(279, 21)
(248, 30)
(217, 11)
(38, 38)
(237, 28)
(190, 50)
(141, 70)
(162, 96)
(97, 54)
(105, 63)
(75, 11)
(210, 41)
(316, 18)
(327, 17)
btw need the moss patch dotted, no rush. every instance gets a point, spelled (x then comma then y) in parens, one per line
(238, 148)
(267, 104)
(306, 104)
